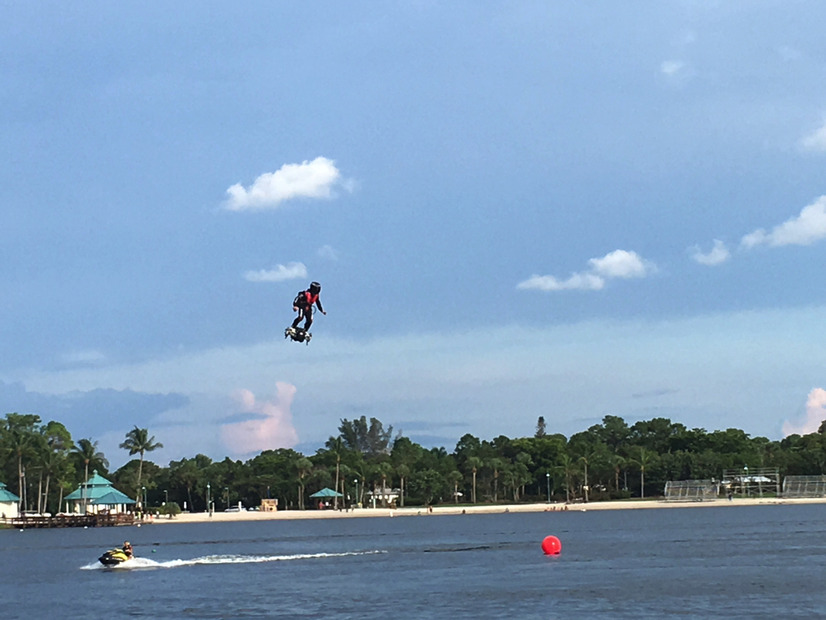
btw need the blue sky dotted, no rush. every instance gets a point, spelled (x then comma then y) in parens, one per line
(557, 209)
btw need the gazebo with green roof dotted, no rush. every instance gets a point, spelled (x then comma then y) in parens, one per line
(9, 503)
(96, 494)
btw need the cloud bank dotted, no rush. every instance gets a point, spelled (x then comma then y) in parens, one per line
(815, 415)
(621, 264)
(279, 273)
(310, 179)
(271, 428)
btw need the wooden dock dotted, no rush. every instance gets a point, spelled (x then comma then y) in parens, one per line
(90, 520)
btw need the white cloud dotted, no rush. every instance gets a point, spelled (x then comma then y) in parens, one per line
(671, 67)
(279, 273)
(815, 141)
(616, 264)
(717, 255)
(805, 229)
(677, 73)
(815, 415)
(577, 281)
(270, 430)
(310, 179)
(328, 252)
(621, 264)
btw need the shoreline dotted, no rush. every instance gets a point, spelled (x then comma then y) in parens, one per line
(358, 513)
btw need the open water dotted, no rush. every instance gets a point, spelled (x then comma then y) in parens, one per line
(741, 562)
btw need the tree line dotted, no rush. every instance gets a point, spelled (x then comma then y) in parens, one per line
(42, 463)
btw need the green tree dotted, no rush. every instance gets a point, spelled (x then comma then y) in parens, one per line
(86, 452)
(53, 460)
(566, 467)
(496, 464)
(540, 428)
(642, 461)
(369, 438)
(618, 463)
(455, 477)
(475, 464)
(139, 442)
(19, 438)
(303, 467)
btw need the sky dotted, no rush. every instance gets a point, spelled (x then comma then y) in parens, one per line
(520, 209)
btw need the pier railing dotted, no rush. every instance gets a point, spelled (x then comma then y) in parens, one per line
(88, 520)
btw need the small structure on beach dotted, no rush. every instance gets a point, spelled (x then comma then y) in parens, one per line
(97, 495)
(268, 505)
(384, 497)
(9, 503)
(324, 496)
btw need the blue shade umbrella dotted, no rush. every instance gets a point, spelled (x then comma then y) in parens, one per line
(325, 492)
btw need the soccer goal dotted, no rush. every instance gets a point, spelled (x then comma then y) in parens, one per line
(804, 486)
(690, 490)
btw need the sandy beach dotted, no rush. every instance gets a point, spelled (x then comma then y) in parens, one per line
(254, 515)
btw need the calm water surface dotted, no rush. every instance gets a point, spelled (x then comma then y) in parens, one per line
(749, 562)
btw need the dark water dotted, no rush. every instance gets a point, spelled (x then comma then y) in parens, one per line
(749, 562)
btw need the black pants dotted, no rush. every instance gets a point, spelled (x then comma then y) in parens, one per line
(306, 313)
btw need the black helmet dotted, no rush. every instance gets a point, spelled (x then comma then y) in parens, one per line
(315, 288)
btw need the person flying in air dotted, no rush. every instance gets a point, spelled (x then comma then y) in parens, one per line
(303, 304)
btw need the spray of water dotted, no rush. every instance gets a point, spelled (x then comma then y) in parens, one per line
(146, 563)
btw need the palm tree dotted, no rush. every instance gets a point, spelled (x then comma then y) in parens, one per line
(303, 467)
(403, 471)
(383, 470)
(86, 451)
(139, 442)
(475, 464)
(566, 466)
(336, 446)
(455, 477)
(618, 462)
(589, 457)
(57, 443)
(643, 461)
(346, 470)
(496, 464)
(51, 464)
(19, 437)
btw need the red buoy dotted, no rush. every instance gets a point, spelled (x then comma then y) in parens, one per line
(551, 545)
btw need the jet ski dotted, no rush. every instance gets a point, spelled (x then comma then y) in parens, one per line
(113, 557)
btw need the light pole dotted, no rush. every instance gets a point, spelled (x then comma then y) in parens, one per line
(208, 501)
(356, 482)
(165, 496)
(143, 495)
(226, 490)
(745, 478)
(548, 480)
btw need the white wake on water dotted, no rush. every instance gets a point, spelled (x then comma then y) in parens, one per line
(144, 563)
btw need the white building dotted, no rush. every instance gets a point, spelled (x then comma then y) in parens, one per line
(9, 503)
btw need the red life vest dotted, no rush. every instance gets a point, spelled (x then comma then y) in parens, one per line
(311, 298)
